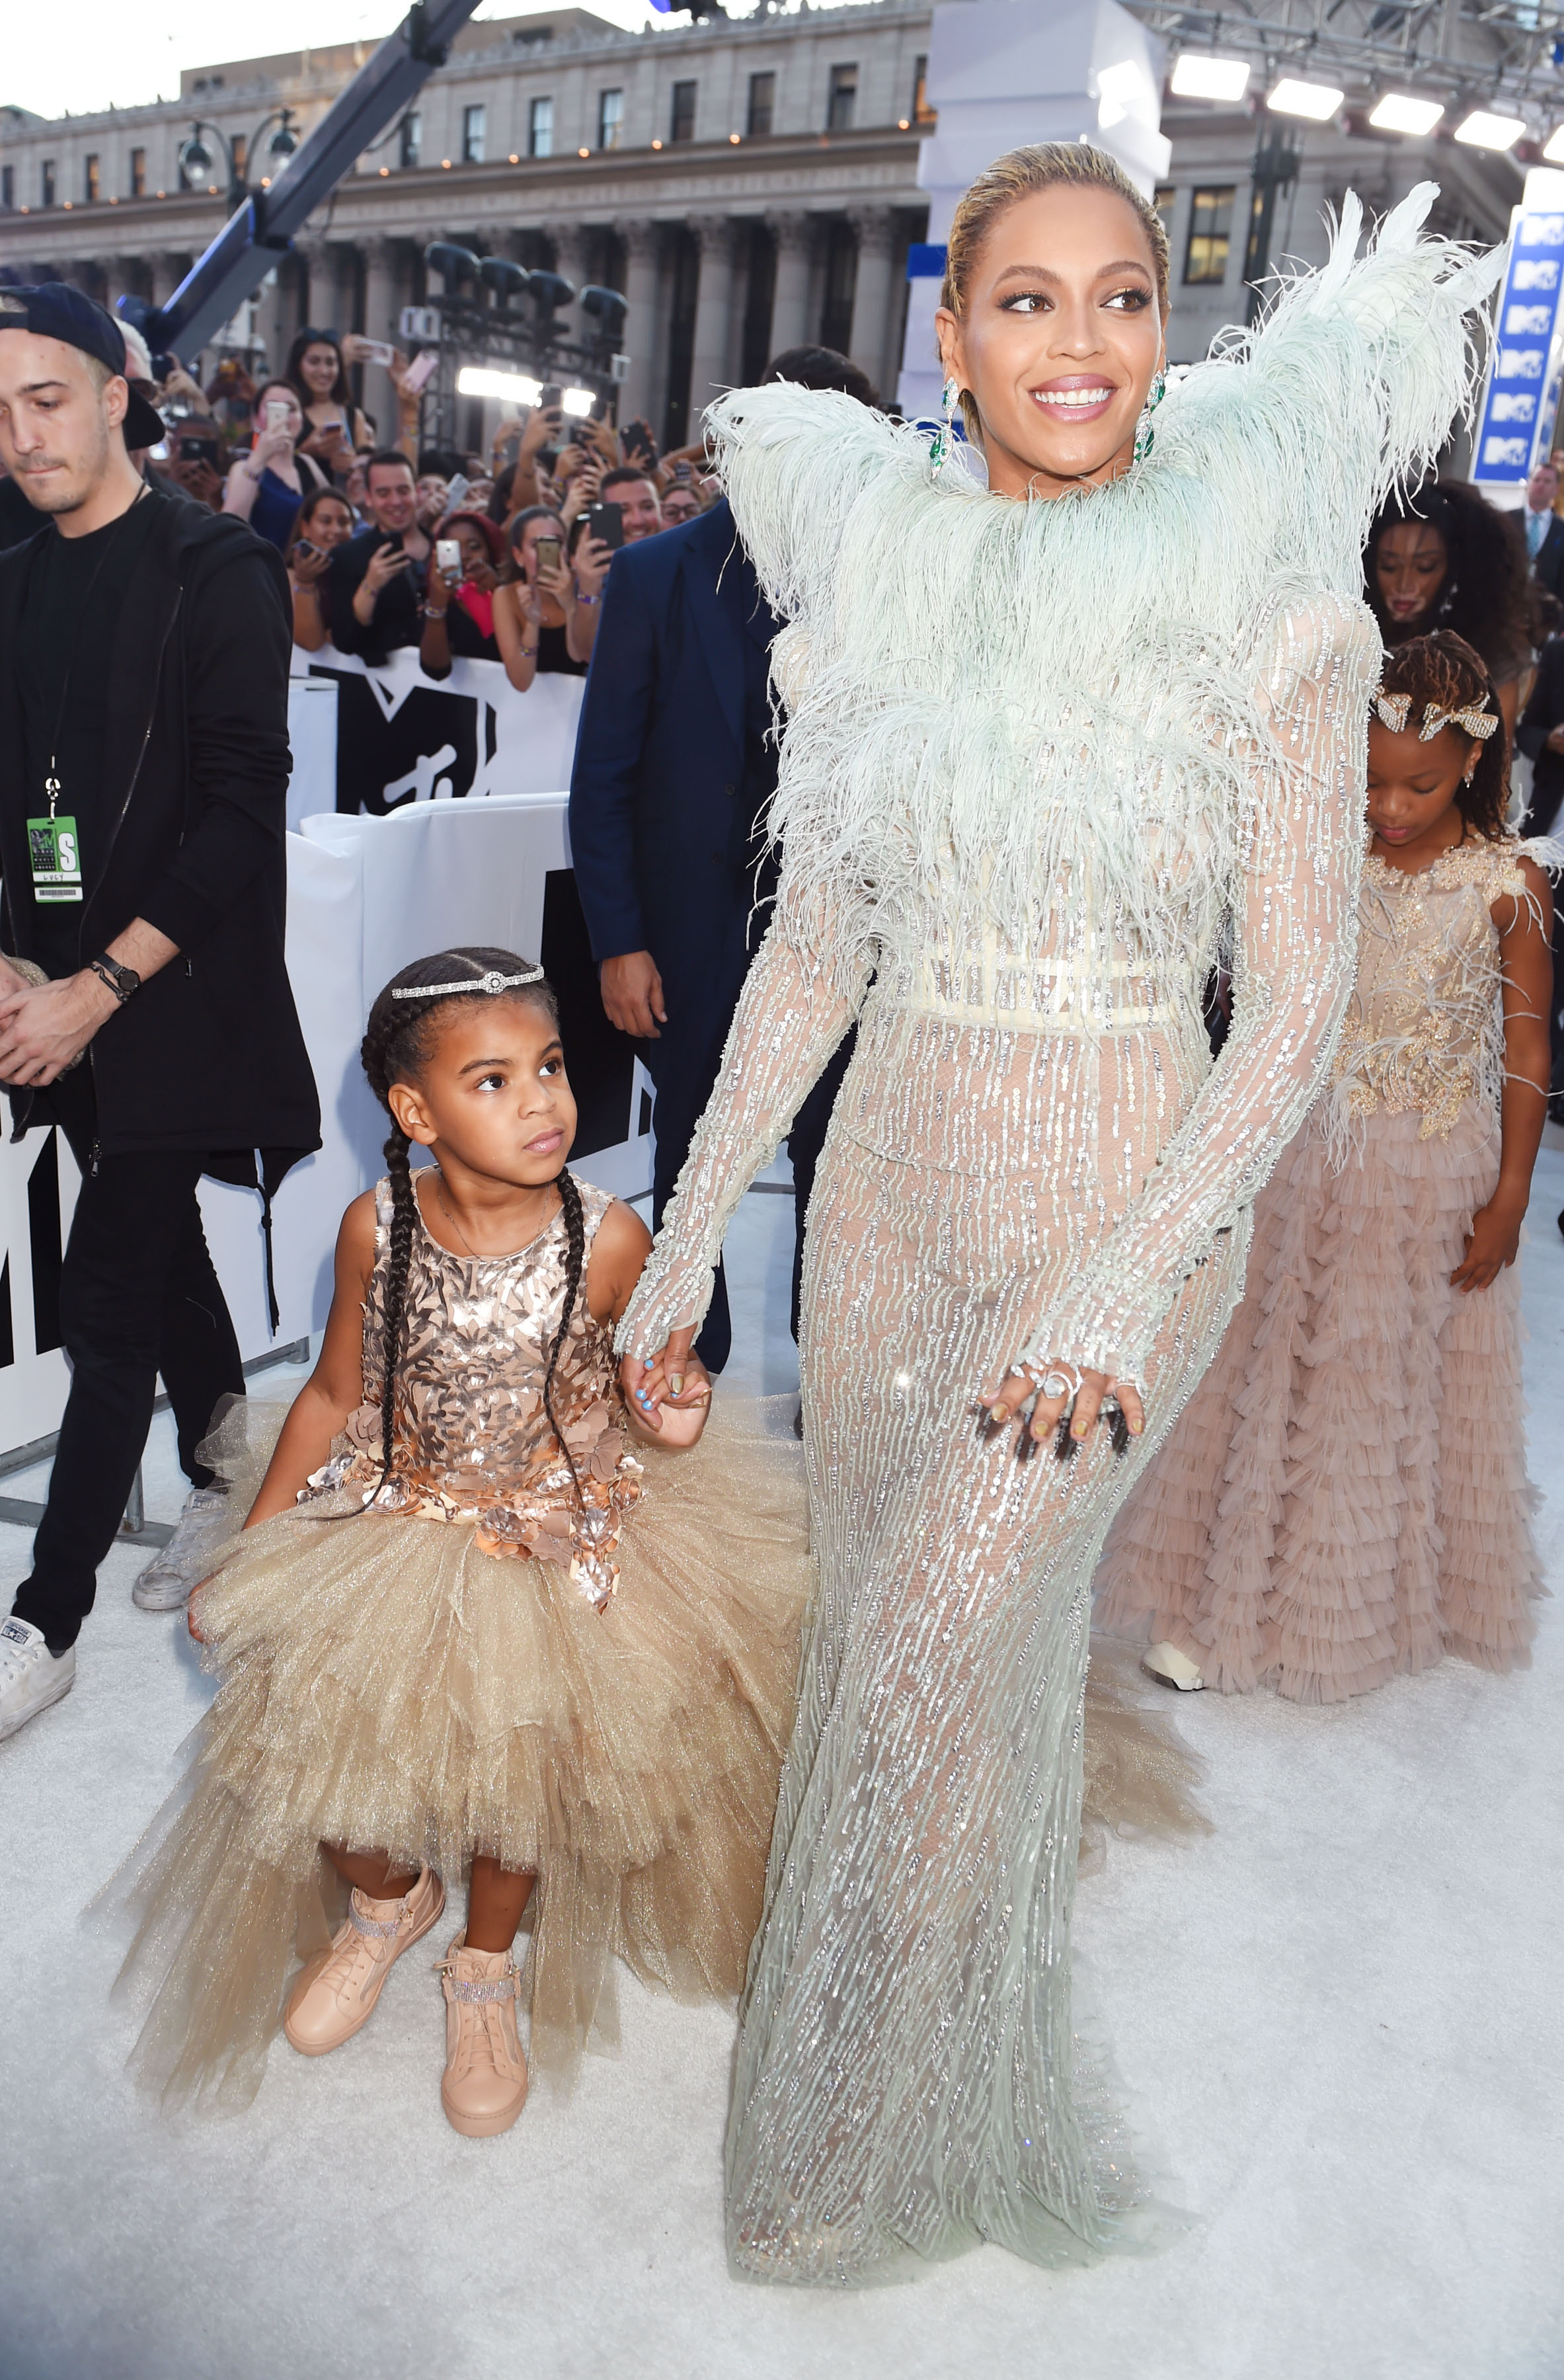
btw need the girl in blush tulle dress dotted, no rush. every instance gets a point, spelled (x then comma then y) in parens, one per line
(1345, 1496)
(484, 1619)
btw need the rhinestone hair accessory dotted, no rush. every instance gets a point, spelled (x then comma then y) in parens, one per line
(492, 981)
(1394, 709)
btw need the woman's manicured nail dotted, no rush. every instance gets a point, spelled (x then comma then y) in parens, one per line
(676, 1382)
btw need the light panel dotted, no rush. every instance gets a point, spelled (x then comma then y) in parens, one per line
(1317, 100)
(1554, 151)
(479, 380)
(1482, 130)
(577, 401)
(1398, 112)
(1197, 75)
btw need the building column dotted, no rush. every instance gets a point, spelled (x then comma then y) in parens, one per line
(795, 237)
(571, 252)
(168, 268)
(122, 278)
(329, 302)
(717, 237)
(876, 231)
(382, 308)
(643, 247)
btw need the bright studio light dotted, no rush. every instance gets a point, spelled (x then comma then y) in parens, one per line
(1315, 100)
(579, 401)
(477, 380)
(1398, 112)
(1199, 76)
(1554, 151)
(1482, 130)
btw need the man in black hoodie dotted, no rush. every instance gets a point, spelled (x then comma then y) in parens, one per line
(144, 780)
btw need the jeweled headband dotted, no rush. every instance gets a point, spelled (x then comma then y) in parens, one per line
(1477, 718)
(492, 981)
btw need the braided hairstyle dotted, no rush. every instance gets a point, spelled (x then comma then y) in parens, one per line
(1444, 670)
(398, 1040)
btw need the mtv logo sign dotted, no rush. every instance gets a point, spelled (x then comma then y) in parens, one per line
(1506, 454)
(1519, 363)
(1528, 321)
(1534, 273)
(1513, 406)
(1542, 231)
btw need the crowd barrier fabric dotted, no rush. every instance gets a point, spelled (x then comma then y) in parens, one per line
(401, 736)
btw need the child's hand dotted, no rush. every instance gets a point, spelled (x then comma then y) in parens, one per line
(668, 1399)
(1492, 1243)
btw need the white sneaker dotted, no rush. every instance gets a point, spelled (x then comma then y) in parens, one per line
(31, 1677)
(184, 1561)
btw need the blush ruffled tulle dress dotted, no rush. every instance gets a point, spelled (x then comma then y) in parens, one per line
(1344, 1497)
(595, 1686)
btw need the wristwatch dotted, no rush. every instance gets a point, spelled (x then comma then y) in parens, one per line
(121, 980)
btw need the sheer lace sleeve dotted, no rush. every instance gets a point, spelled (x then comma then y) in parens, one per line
(789, 1018)
(1302, 856)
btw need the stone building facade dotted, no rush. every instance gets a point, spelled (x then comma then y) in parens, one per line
(749, 184)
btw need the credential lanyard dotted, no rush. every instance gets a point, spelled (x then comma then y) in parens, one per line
(52, 845)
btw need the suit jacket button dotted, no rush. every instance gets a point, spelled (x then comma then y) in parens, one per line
(730, 790)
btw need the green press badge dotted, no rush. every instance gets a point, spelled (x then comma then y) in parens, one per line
(55, 858)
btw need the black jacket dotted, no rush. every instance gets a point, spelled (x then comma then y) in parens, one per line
(207, 1055)
(1548, 567)
(395, 619)
(668, 786)
(1543, 713)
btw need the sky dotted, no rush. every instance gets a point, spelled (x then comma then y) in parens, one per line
(89, 54)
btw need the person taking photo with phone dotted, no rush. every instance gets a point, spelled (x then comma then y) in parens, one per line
(545, 619)
(267, 486)
(376, 583)
(146, 1011)
(463, 589)
(325, 521)
(336, 432)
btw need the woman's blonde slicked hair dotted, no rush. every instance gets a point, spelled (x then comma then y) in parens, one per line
(1072, 165)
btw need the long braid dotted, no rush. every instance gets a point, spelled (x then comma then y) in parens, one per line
(402, 1214)
(397, 1042)
(575, 1253)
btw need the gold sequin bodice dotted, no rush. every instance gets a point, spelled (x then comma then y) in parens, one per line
(472, 1439)
(1423, 1029)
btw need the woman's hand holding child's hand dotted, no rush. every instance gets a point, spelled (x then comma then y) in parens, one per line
(1492, 1243)
(668, 1399)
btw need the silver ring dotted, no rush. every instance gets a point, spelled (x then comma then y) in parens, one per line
(1063, 1380)
(1023, 1372)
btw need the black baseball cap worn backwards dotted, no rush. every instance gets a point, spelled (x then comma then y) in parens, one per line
(55, 311)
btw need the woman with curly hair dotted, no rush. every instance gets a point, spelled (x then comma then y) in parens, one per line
(1446, 558)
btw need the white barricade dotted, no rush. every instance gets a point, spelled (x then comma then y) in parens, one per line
(365, 896)
(400, 735)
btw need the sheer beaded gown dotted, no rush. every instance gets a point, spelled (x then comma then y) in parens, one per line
(1034, 756)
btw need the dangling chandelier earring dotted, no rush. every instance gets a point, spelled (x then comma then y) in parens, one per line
(949, 397)
(1145, 437)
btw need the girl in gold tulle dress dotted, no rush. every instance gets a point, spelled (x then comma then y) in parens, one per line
(1344, 1497)
(484, 1621)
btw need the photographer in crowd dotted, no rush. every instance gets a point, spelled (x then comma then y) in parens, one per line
(376, 583)
(143, 783)
(546, 617)
(325, 521)
(459, 607)
(335, 431)
(267, 486)
(634, 492)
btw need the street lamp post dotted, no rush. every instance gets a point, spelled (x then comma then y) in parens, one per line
(196, 155)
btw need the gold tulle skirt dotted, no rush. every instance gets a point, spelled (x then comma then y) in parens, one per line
(387, 1686)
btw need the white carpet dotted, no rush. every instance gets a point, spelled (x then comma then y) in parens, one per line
(1339, 2019)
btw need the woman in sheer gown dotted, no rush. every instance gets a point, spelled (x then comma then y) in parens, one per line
(1042, 741)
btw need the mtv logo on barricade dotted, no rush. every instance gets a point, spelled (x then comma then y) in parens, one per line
(1512, 404)
(1542, 231)
(1506, 454)
(1534, 273)
(1528, 321)
(1519, 363)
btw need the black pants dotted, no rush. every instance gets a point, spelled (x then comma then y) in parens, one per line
(137, 1297)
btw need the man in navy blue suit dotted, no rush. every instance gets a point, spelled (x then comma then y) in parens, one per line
(674, 767)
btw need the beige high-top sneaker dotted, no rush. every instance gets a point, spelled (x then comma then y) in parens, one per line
(484, 2087)
(338, 1989)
